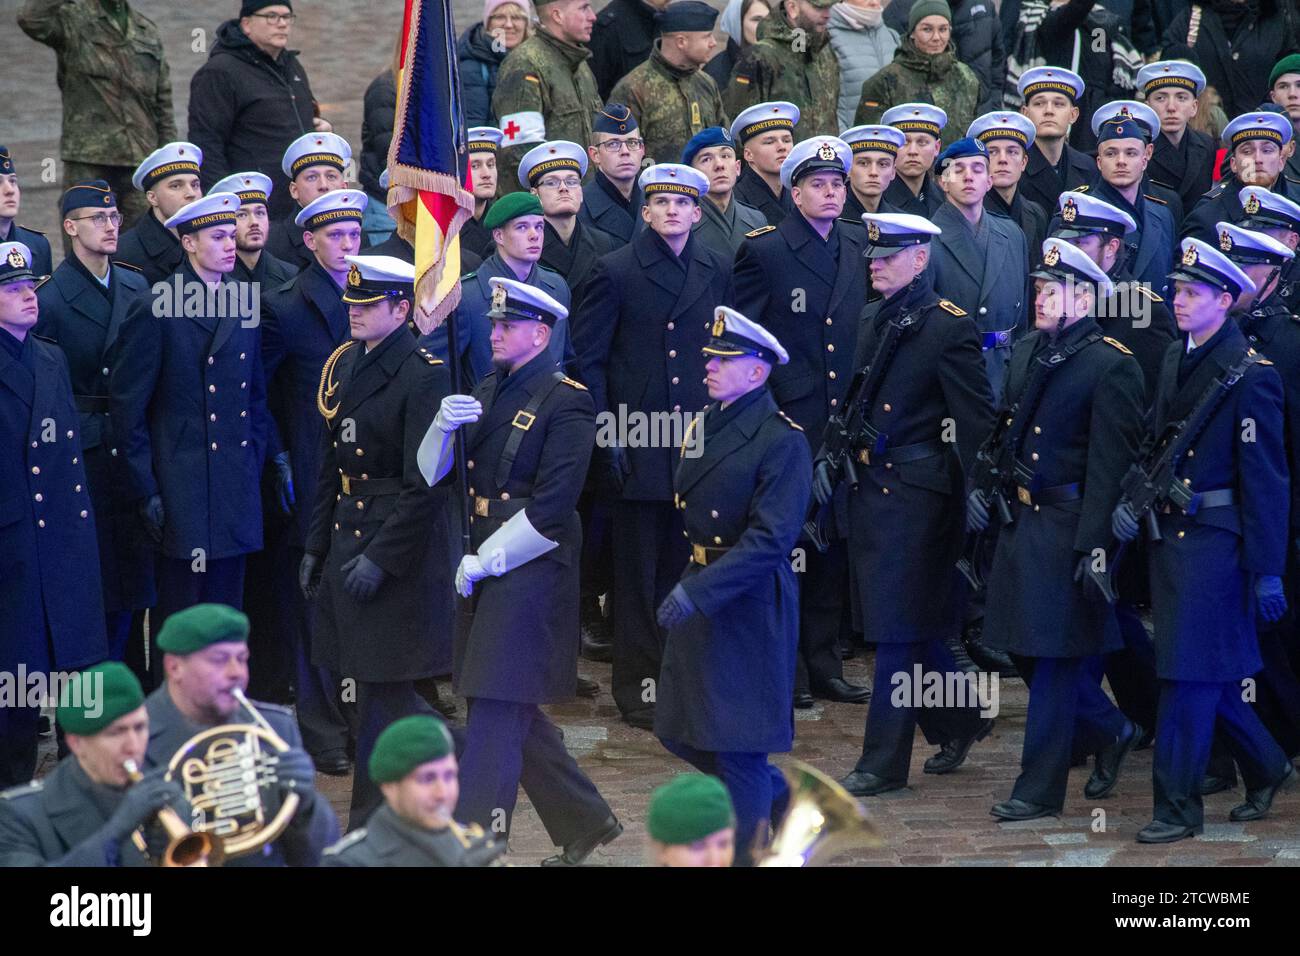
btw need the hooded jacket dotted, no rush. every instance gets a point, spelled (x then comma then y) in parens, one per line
(245, 109)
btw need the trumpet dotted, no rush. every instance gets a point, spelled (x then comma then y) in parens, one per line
(823, 821)
(185, 847)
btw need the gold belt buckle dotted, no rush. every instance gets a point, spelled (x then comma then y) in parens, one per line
(864, 456)
(347, 485)
(481, 507)
(1023, 494)
(699, 555)
(528, 419)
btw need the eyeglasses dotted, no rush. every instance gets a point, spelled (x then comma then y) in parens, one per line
(508, 17)
(616, 146)
(282, 19)
(102, 219)
(572, 182)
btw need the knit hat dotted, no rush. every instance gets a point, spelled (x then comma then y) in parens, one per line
(250, 7)
(97, 696)
(927, 8)
(490, 6)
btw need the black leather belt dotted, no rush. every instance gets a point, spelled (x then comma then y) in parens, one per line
(499, 508)
(1056, 495)
(361, 487)
(702, 555)
(903, 453)
(91, 403)
(1202, 500)
(997, 340)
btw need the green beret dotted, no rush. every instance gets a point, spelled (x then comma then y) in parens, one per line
(689, 808)
(407, 743)
(1288, 64)
(196, 627)
(94, 698)
(511, 206)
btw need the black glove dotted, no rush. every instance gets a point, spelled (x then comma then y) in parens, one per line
(309, 571)
(294, 771)
(1124, 523)
(612, 476)
(1091, 589)
(977, 511)
(363, 578)
(822, 486)
(676, 609)
(141, 801)
(284, 483)
(151, 513)
(1269, 597)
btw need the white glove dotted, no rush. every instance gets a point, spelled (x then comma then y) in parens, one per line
(469, 572)
(435, 453)
(513, 544)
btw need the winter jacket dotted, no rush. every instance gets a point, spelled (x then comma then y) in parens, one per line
(977, 34)
(862, 52)
(380, 107)
(784, 65)
(916, 77)
(479, 63)
(245, 109)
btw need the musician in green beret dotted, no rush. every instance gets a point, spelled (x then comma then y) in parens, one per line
(414, 764)
(691, 822)
(85, 812)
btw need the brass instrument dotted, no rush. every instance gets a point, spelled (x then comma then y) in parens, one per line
(823, 821)
(185, 847)
(228, 776)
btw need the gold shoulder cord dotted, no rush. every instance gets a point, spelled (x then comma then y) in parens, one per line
(327, 387)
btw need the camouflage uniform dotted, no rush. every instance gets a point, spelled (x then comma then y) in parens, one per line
(916, 77)
(546, 76)
(670, 105)
(117, 92)
(789, 65)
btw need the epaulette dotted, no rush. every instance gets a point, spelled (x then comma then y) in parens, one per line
(30, 229)
(790, 421)
(951, 307)
(1163, 202)
(760, 231)
(1116, 343)
(347, 841)
(430, 357)
(127, 265)
(1149, 294)
(22, 790)
(1080, 189)
(570, 382)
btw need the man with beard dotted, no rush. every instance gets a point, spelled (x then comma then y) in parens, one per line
(793, 61)
(724, 219)
(483, 147)
(1007, 137)
(766, 135)
(1257, 152)
(254, 263)
(922, 404)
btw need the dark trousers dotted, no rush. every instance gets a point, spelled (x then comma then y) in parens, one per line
(887, 740)
(759, 792)
(118, 624)
(596, 577)
(510, 744)
(650, 554)
(1132, 670)
(378, 705)
(1277, 703)
(1185, 727)
(179, 587)
(19, 740)
(1063, 692)
(318, 703)
(823, 615)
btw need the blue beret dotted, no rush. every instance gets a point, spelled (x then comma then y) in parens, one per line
(706, 139)
(961, 149)
(686, 16)
(614, 118)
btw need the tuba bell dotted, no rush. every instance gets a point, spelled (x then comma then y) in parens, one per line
(185, 847)
(823, 821)
(228, 776)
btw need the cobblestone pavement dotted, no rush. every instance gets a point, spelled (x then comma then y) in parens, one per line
(937, 821)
